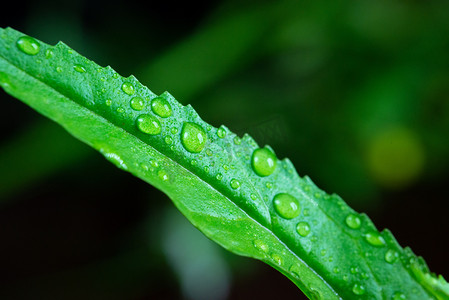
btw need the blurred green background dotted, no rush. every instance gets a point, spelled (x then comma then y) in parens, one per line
(355, 93)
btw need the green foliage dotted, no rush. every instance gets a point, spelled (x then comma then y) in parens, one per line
(238, 194)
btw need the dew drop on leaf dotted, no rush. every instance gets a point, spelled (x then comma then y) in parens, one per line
(358, 289)
(286, 206)
(375, 239)
(336, 270)
(276, 258)
(221, 132)
(391, 256)
(193, 137)
(79, 68)
(128, 88)
(353, 221)
(303, 229)
(174, 130)
(219, 176)
(259, 244)
(148, 124)
(162, 175)
(398, 296)
(253, 196)
(168, 140)
(108, 102)
(59, 69)
(161, 107)
(235, 184)
(263, 162)
(49, 53)
(237, 140)
(137, 103)
(28, 45)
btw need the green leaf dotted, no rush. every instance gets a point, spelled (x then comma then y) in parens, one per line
(238, 194)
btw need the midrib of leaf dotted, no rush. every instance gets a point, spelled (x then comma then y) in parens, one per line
(188, 184)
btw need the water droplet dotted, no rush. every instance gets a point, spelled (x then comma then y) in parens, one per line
(269, 185)
(174, 130)
(306, 212)
(154, 163)
(365, 275)
(358, 289)
(323, 252)
(221, 132)
(28, 45)
(128, 88)
(59, 69)
(354, 270)
(259, 244)
(49, 53)
(237, 140)
(137, 103)
(336, 270)
(353, 221)
(168, 140)
(263, 162)
(120, 110)
(391, 256)
(115, 75)
(208, 127)
(398, 296)
(162, 175)
(375, 239)
(115, 159)
(276, 258)
(108, 102)
(79, 68)
(194, 162)
(286, 206)
(253, 196)
(148, 124)
(209, 152)
(303, 228)
(193, 137)
(219, 176)
(206, 169)
(235, 184)
(226, 167)
(161, 107)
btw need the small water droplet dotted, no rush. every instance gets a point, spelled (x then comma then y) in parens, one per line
(323, 252)
(237, 140)
(209, 152)
(235, 184)
(162, 175)
(208, 127)
(219, 176)
(168, 140)
(154, 163)
(259, 244)
(263, 162)
(206, 169)
(137, 103)
(353, 221)
(221, 132)
(28, 45)
(358, 289)
(269, 185)
(49, 53)
(375, 239)
(194, 162)
(59, 69)
(193, 137)
(128, 88)
(303, 229)
(354, 270)
(120, 110)
(398, 296)
(276, 258)
(253, 196)
(174, 130)
(306, 212)
(148, 124)
(336, 270)
(365, 275)
(115, 75)
(391, 256)
(225, 167)
(79, 68)
(161, 107)
(115, 159)
(286, 206)
(108, 102)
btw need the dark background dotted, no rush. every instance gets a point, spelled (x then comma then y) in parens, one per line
(355, 93)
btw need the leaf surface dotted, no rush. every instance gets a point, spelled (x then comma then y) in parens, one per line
(238, 194)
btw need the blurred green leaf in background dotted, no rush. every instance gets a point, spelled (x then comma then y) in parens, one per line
(356, 94)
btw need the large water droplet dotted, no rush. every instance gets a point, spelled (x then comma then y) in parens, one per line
(148, 124)
(79, 68)
(286, 205)
(375, 239)
(235, 184)
(399, 296)
(353, 221)
(193, 137)
(221, 132)
(391, 256)
(263, 162)
(161, 107)
(358, 289)
(303, 228)
(128, 88)
(28, 45)
(137, 103)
